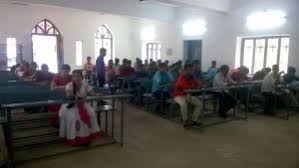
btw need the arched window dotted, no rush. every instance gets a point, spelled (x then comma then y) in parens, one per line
(45, 27)
(47, 45)
(104, 39)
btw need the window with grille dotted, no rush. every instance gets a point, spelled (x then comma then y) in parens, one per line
(104, 39)
(47, 45)
(260, 52)
(153, 51)
(11, 52)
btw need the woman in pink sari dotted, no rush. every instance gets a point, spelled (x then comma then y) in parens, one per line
(78, 121)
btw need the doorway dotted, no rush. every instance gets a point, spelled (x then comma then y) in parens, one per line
(47, 45)
(192, 50)
(45, 51)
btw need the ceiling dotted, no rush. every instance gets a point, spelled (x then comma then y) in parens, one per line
(156, 9)
(121, 7)
(217, 5)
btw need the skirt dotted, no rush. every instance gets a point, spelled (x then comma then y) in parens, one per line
(73, 130)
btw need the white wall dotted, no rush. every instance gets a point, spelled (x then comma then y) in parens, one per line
(212, 40)
(80, 25)
(166, 33)
(236, 26)
(219, 42)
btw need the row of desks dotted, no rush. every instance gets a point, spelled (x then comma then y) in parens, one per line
(205, 91)
(19, 95)
(7, 108)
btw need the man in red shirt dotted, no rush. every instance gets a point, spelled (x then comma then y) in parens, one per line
(126, 69)
(187, 81)
(240, 74)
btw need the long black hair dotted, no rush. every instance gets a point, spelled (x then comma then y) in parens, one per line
(79, 72)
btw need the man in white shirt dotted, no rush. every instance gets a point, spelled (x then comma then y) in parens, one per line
(226, 100)
(271, 80)
(268, 86)
(222, 79)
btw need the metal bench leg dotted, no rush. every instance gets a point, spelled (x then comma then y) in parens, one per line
(112, 118)
(234, 110)
(122, 123)
(100, 119)
(10, 151)
(247, 105)
(106, 123)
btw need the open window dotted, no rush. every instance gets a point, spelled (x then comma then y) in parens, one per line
(104, 39)
(47, 45)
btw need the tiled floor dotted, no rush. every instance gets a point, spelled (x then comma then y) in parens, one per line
(153, 142)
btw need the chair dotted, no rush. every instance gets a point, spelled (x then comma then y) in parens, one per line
(174, 109)
(209, 98)
(256, 97)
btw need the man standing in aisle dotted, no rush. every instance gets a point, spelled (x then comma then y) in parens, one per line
(100, 67)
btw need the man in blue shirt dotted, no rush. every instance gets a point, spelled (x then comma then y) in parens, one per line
(162, 77)
(198, 74)
(213, 70)
(100, 67)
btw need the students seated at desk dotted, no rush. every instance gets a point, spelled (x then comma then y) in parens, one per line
(226, 100)
(123, 65)
(197, 72)
(78, 122)
(116, 66)
(268, 87)
(3, 65)
(89, 68)
(167, 63)
(33, 70)
(17, 70)
(213, 70)
(292, 92)
(187, 81)
(44, 77)
(139, 69)
(152, 69)
(130, 68)
(290, 77)
(59, 82)
(260, 75)
(159, 62)
(239, 75)
(175, 70)
(161, 78)
(25, 72)
(137, 64)
(126, 69)
(62, 78)
(146, 65)
(151, 61)
(110, 73)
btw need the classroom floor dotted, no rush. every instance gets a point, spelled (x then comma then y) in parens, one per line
(153, 142)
